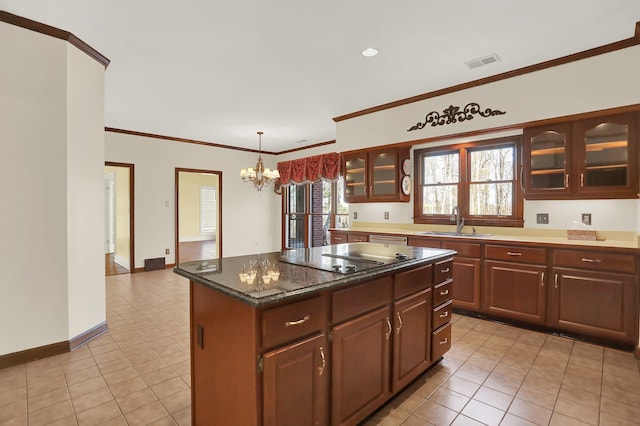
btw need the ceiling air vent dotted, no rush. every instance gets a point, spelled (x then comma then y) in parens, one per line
(486, 60)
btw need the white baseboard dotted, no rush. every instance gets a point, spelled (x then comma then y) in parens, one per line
(198, 238)
(122, 261)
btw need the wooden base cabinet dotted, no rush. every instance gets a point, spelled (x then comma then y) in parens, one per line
(361, 357)
(412, 338)
(296, 384)
(515, 291)
(595, 304)
(594, 293)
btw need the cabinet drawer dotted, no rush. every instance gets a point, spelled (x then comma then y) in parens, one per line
(440, 342)
(361, 298)
(516, 254)
(423, 242)
(443, 271)
(597, 260)
(442, 314)
(357, 238)
(463, 249)
(285, 323)
(412, 281)
(442, 293)
(338, 237)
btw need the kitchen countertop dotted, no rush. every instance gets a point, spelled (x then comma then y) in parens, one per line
(606, 239)
(290, 280)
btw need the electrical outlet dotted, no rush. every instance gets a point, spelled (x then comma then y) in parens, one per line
(355, 215)
(542, 218)
(586, 218)
(167, 251)
(386, 215)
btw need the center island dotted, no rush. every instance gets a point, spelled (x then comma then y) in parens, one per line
(316, 336)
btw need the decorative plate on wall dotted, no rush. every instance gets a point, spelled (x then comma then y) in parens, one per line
(406, 185)
(406, 167)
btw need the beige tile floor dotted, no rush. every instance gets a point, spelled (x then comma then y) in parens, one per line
(138, 373)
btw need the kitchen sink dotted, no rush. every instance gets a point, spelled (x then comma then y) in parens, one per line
(454, 234)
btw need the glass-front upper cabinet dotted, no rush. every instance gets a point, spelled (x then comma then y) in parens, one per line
(590, 158)
(355, 177)
(375, 175)
(607, 154)
(384, 173)
(547, 160)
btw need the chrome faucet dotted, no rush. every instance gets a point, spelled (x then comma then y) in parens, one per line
(455, 216)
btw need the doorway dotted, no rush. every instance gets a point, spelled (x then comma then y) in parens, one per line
(198, 215)
(119, 209)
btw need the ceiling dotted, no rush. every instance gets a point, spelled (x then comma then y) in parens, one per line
(221, 70)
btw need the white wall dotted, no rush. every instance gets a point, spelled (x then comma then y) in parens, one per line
(250, 219)
(601, 82)
(85, 192)
(45, 281)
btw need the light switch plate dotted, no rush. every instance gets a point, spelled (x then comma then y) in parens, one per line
(586, 218)
(355, 215)
(386, 215)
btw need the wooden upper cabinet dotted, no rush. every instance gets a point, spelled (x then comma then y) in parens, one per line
(547, 161)
(606, 156)
(374, 175)
(590, 158)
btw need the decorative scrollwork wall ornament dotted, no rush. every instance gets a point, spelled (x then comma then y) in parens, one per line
(453, 114)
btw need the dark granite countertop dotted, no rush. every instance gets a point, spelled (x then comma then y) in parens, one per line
(276, 281)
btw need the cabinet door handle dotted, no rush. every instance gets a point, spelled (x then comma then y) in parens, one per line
(581, 180)
(444, 292)
(390, 329)
(300, 321)
(337, 238)
(542, 280)
(444, 341)
(566, 180)
(445, 270)
(324, 361)
(522, 178)
(514, 253)
(587, 260)
(555, 280)
(444, 314)
(399, 323)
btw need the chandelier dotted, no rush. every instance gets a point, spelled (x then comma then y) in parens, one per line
(259, 176)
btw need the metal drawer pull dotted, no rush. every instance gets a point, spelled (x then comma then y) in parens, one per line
(542, 280)
(444, 292)
(586, 259)
(514, 253)
(400, 323)
(444, 271)
(324, 361)
(390, 329)
(556, 281)
(337, 238)
(303, 320)
(566, 180)
(444, 314)
(442, 342)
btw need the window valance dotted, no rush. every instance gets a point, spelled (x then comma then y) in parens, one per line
(310, 169)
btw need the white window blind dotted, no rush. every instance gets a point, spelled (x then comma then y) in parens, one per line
(207, 210)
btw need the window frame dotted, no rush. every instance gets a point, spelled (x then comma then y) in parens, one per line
(464, 183)
(308, 214)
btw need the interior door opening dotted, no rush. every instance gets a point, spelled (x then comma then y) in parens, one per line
(119, 246)
(198, 215)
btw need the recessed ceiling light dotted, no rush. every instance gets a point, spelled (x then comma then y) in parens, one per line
(369, 52)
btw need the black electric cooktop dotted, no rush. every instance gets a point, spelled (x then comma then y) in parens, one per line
(348, 258)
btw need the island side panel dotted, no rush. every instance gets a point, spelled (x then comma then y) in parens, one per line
(224, 378)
